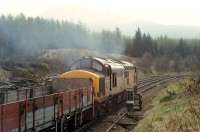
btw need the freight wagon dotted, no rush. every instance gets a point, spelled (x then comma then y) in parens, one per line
(39, 113)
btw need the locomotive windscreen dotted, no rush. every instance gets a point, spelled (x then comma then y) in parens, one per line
(63, 84)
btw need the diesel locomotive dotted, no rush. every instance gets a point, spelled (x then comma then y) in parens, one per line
(110, 78)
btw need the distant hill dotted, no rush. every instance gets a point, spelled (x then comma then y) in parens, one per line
(169, 30)
(156, 30)
(128, 25)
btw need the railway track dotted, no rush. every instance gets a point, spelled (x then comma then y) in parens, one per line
(116, 121)
(148, 79)
(107, 124)
(145, 86)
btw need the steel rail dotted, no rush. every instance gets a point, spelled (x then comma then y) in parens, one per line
(115, 122)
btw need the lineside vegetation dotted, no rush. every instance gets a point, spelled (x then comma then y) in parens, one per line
(176, 109)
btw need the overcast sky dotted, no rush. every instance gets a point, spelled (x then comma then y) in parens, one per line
(168, 12)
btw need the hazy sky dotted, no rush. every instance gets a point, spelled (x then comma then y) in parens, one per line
(94, 12)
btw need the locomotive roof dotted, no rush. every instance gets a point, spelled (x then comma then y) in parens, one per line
(114, 63)
(111, 62)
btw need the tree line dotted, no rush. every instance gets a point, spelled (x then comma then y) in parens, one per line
(142, 43)
(163, 53)
(22, 35)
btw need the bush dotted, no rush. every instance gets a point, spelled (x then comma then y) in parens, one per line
(170, 95)
(193, 87)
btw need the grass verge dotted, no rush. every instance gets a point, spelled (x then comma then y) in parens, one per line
(176, 109)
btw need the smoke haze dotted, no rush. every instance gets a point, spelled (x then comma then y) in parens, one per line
(26, 36)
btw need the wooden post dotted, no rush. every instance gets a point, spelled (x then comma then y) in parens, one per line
(34, 109)
(62, 124)
(26, 103)
(2, 114)
(56, 125)
(75, 119)
(62, 113)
